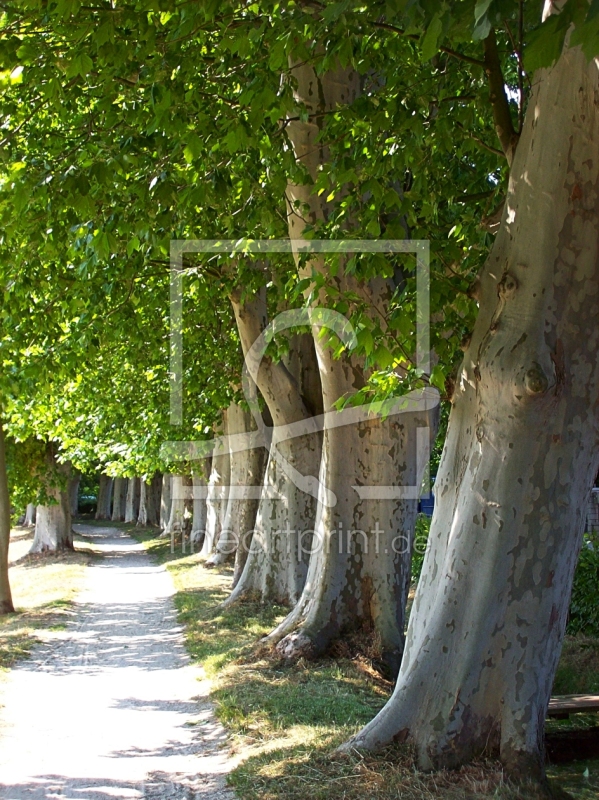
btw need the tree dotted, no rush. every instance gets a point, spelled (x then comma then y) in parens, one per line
(103, 508)
(53, 531)
(6, 604)
(355, 581)
(277, 561)
(520, 457)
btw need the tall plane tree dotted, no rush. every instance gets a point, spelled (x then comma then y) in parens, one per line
(522, 449)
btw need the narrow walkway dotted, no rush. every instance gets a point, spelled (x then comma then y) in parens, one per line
(112, 708)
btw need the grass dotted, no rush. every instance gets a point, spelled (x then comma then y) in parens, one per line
(285, 721)
(44, 587)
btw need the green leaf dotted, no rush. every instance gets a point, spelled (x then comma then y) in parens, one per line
(593, 10)
(80, 65)
(193, 148)
(334, 11)
(587, 36)
(373, 228)
(365, 340)
(482, 22)
(438, 377)
(102, 246)
(545, 44)
(133, 245)
(430, 39)
(383, 357)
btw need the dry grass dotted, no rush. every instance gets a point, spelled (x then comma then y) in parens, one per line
(43, 588)
(286, 721)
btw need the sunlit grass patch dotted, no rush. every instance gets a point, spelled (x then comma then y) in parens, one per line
(44, 587)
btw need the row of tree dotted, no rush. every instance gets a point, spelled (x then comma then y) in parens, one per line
(473, 126)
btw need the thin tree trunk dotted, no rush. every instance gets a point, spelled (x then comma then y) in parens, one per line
(142, 515)
(153, 495)
(216, 500)
(149, 501)
(132, 499)
(29, 520)
(180, 509)
(74, 482)
(276, 565)
(6, 604)
(119, 497)
(103, 508)
(520, 458)
(53, 531)
(166, 500)
(198, 527)
(246, 470)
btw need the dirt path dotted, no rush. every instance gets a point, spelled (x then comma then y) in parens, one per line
(112, 708)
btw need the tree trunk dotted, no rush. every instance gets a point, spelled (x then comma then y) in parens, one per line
(360, 567)
(149, 501)
(180, 509)
(279, 549)
(153, 494)
(103, 508)
(74, 482)
(119, 497)
(198, 527)
(142, 514)
(132, 499)
(359, 573)
(53, 530)
(6, 604)
(520, 458)
(166, 500)
(216, 500)
(29, 520)
(245, 470)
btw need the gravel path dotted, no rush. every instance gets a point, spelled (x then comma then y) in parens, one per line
(112, 707)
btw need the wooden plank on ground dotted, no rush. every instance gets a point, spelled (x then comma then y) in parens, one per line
(561, 707)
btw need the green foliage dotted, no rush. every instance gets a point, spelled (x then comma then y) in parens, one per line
(584, 604)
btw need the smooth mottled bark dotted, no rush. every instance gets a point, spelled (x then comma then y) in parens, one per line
(53, 531)
(217, 492)
(132, 499)
(181, 504)
(29, 520)
(119, 498)
(6, 604)
(74, 482)
(199, 509)
(520, 458)
(104, 505)
(360, 568)
(245, 470)
(149, 501)
(279, 548)
(165, 500)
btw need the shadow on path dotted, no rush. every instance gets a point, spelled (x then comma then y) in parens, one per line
(112, 707)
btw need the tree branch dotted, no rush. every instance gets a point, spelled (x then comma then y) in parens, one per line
(480, 141)
(499, 102)
(415, 37)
